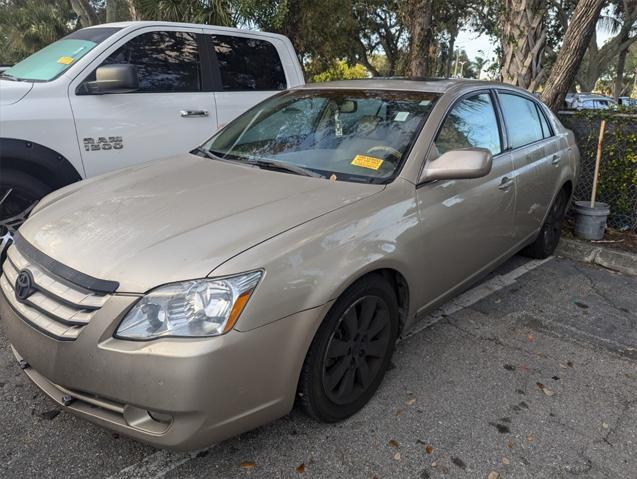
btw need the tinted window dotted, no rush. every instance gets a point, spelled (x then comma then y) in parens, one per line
(166, 61)
(546, 130)
(522, 120)
(248, 64)
(470, 124)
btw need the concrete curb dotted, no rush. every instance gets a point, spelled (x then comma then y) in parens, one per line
(615, 260)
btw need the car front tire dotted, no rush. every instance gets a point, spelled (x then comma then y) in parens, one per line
(350, 352)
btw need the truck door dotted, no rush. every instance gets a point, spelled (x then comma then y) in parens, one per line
(172, 112)
(248, 70)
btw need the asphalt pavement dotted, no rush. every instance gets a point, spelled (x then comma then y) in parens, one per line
(533, 374)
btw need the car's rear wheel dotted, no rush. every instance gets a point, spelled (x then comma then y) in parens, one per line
(546, 242)
(351, 351)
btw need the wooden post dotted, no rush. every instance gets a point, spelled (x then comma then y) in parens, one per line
(598, 159)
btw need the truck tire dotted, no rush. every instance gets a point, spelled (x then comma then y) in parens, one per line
(18, 192)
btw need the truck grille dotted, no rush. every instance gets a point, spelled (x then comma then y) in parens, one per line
(56, 307)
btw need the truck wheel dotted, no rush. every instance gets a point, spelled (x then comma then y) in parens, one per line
(350, 351)
(18, 193)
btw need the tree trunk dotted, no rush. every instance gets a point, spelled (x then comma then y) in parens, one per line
(452, 47)
(619, 79)
(523, 41)
(112, 11)
(576, 40)
(85, 11)
(420, 25)
(133, 11)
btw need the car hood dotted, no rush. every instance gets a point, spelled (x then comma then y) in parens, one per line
(177, 219)
(13, 91)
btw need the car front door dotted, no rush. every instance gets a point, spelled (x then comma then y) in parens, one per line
(170, 113)
(536, 154)
(467, 224)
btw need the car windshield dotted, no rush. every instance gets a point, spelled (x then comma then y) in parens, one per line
(54, 59)
(350, 135)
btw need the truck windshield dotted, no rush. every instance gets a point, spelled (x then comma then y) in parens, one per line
(54, 59)
(342, 134)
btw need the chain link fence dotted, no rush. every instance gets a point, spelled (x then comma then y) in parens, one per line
(617, 184)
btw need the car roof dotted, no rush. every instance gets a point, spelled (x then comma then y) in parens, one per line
(431, 85)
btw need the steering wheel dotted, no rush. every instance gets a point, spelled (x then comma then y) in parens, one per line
(387, 150)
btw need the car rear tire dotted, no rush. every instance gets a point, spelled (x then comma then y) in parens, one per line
(350, 352)
(546, 242)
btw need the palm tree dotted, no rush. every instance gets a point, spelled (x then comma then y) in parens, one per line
(211, 12)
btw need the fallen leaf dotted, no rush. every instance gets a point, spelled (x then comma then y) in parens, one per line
(530, 438)
(399, 411)
(510, 445)
(393, 443)
(434, 464)
(605, 425)
(548, 392)
(411, 402)
(569, 364)
(563, 366)
(333, 177)
(429, 449)
(493, 475)
(505, 460)
(397, 456)
(300, 468)
(530, 338)
(498, 301)
(248, 465)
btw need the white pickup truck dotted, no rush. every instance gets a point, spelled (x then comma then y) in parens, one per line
(118, 94)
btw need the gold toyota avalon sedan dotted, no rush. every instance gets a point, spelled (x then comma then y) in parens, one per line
(189, 299)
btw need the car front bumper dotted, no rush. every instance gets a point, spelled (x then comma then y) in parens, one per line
(178, 393)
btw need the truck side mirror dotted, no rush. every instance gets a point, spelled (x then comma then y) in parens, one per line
(113, 79)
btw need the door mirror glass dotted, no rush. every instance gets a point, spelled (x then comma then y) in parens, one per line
(458, 164)
(114, 79)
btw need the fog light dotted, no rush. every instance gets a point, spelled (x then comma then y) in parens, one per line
(160, 417)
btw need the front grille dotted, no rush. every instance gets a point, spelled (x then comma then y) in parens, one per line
(57, 307)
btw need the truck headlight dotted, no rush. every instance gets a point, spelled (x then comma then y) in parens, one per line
(204, 307)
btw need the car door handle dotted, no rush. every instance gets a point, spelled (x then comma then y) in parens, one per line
(193, 113)
(506, 183)
(555, 160)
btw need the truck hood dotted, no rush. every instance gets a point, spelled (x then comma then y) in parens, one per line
(176, 219)
(13, 91)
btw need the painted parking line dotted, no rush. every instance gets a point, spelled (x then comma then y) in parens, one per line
(159, 464)
(156, 465)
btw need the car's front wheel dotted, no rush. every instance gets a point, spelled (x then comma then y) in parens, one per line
(351, 351)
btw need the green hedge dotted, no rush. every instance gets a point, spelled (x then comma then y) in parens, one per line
(618, 168)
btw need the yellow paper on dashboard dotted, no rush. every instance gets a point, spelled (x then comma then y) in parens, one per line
(65, 60)
(368, 162)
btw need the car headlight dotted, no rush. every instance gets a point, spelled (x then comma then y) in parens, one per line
(204, 307)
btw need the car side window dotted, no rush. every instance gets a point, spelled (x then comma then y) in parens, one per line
(165, 61)
(248, 64)
(471, 123)
(522, 119)
(546, 129)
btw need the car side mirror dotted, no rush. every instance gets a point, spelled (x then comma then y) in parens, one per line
(114, 79)
(458, 164)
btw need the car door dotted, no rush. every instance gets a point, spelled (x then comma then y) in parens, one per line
(536, 154)
(172, 112)
(249, 70)
(467, 225)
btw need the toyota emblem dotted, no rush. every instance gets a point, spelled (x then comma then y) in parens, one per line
(24, 285)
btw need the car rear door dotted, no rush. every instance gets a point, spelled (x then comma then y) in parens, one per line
(467, 225)
(537, 155)
(247, 69)
(172, 112)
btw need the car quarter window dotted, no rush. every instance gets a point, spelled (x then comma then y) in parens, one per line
(471, 123)
(522, 119)
(248, 64)
(165, 61)
(546, 129)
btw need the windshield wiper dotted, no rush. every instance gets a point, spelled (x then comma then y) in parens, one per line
(279, 165)
(8, 76)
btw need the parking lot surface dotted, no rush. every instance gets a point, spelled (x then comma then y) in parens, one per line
(531, 375)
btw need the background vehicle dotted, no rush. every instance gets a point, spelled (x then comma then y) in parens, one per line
(118, 94)
(282, 258)
(589, 101)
